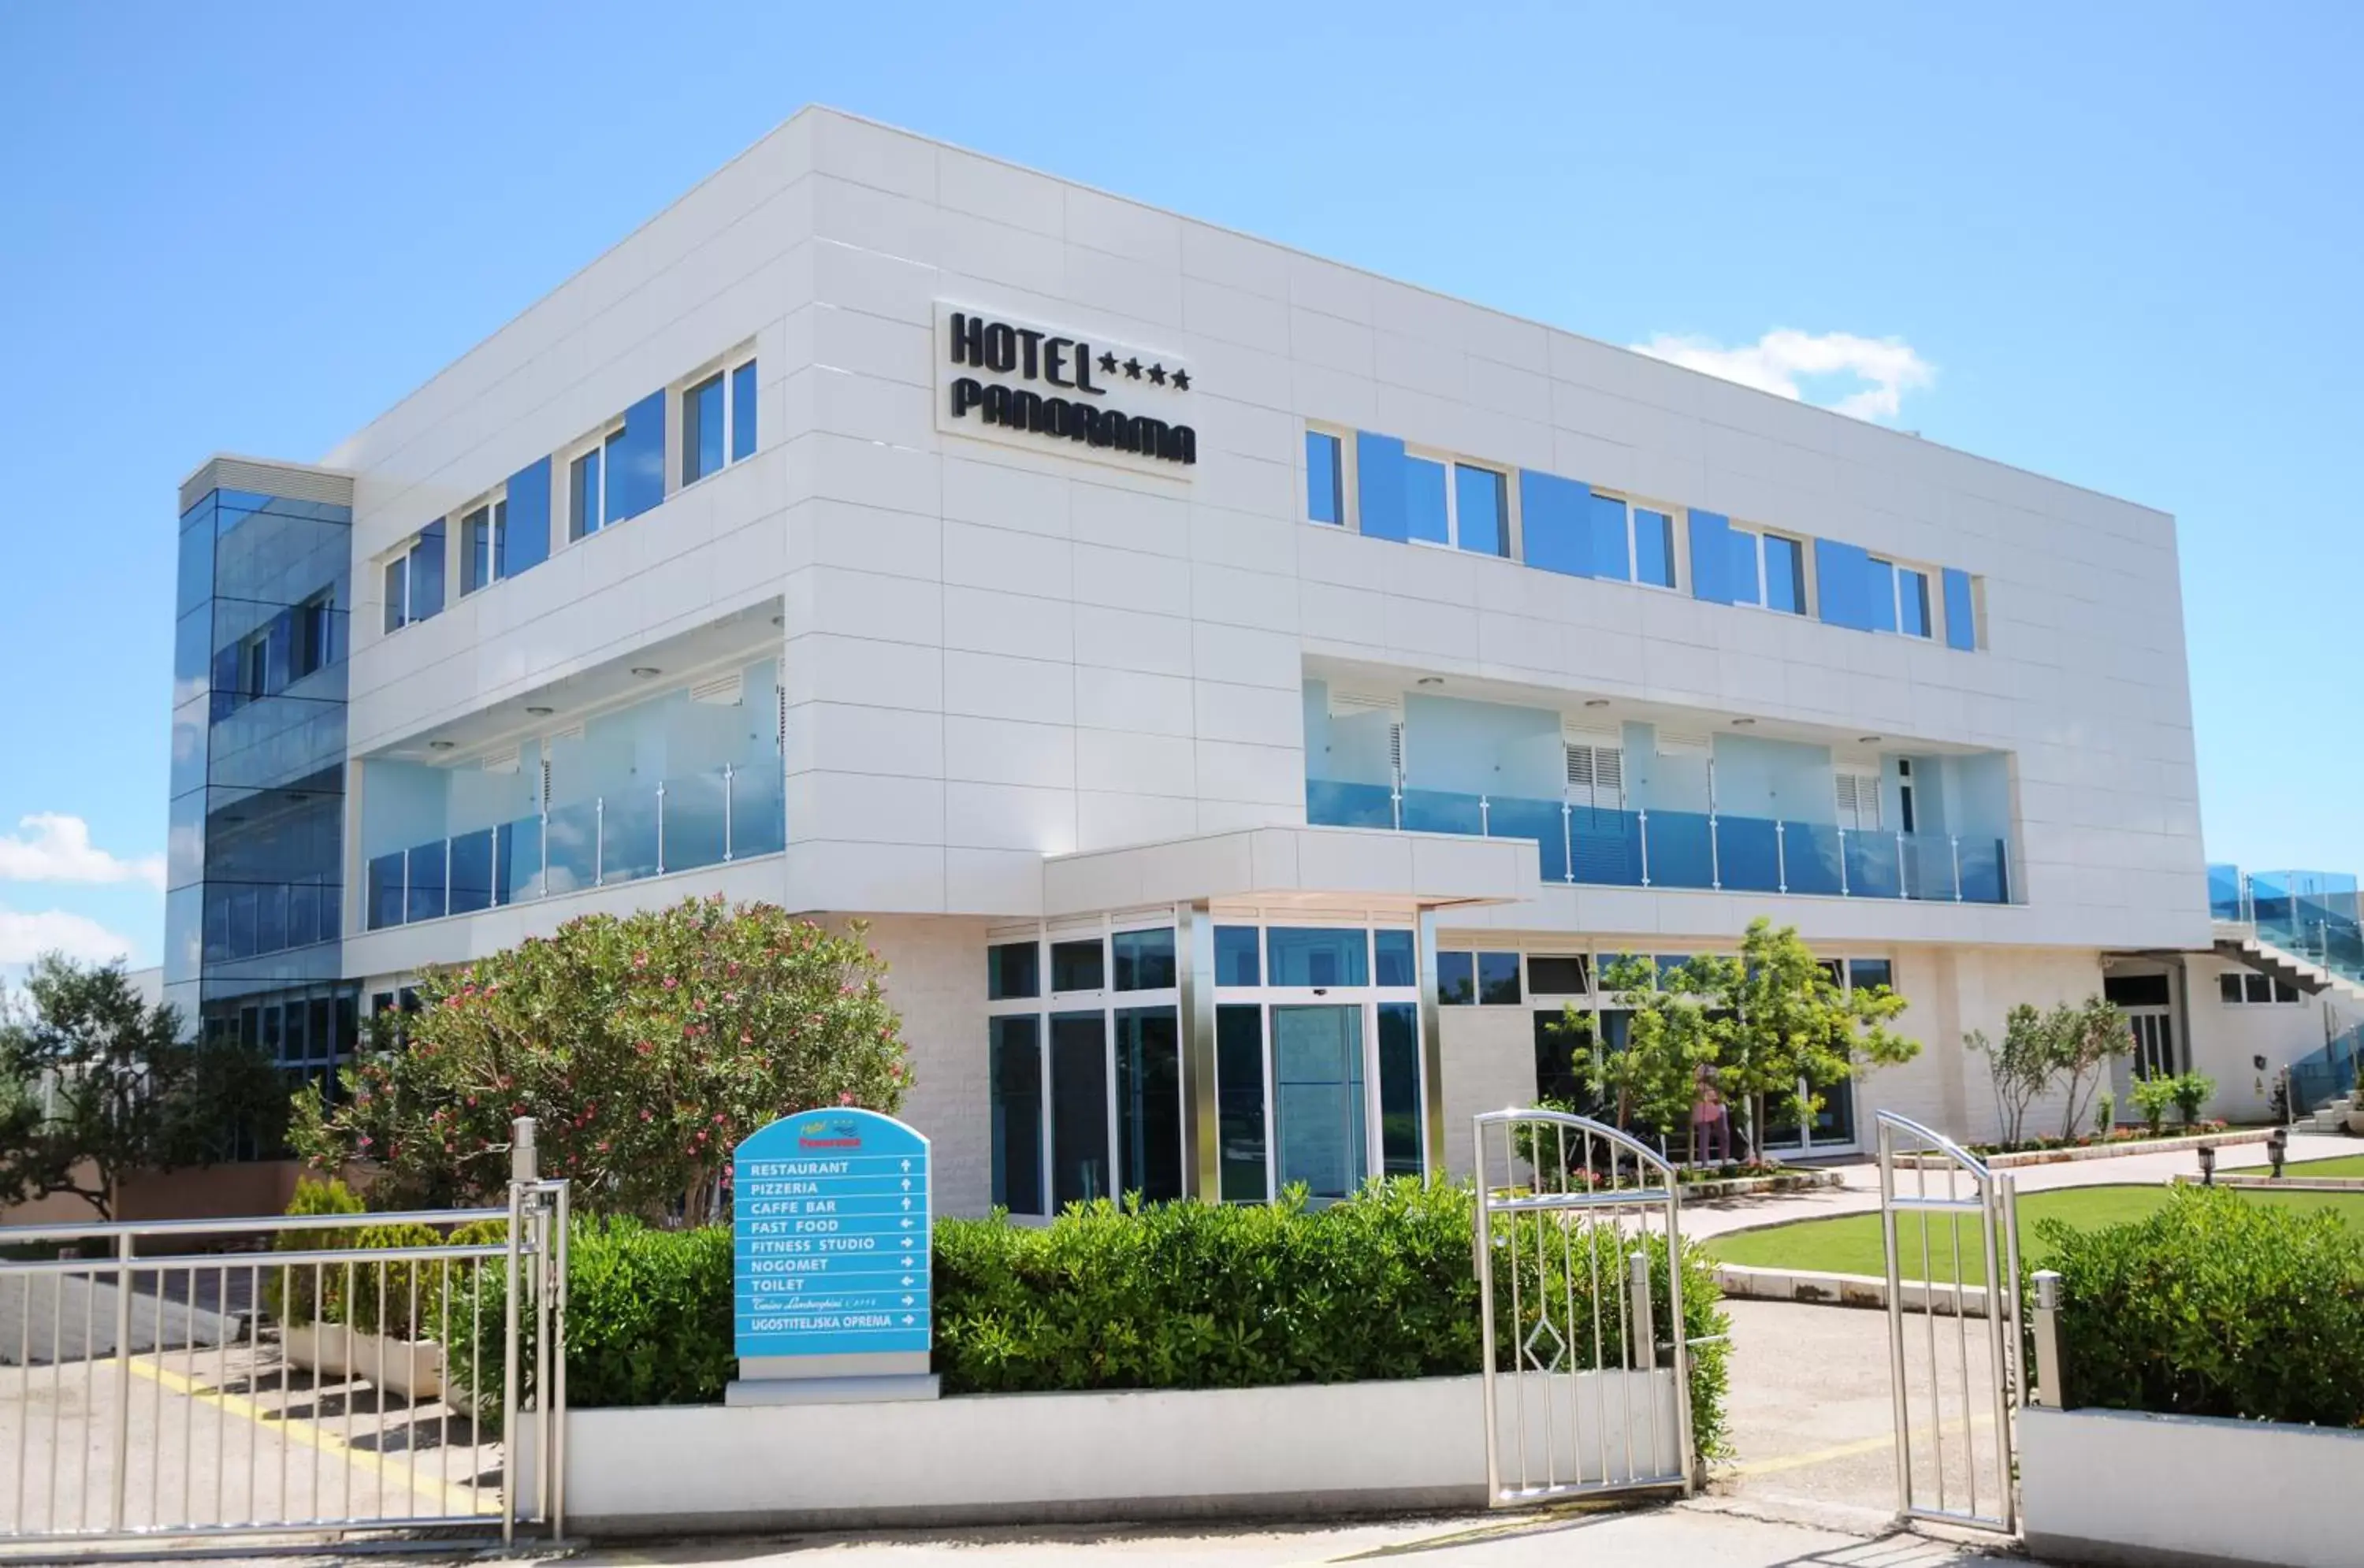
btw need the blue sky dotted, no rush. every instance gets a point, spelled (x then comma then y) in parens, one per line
(2116, 244)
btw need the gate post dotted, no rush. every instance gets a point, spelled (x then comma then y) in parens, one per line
(523, 1165)
(1645, 1332)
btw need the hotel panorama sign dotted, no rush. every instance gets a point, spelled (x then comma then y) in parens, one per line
(1002, 379)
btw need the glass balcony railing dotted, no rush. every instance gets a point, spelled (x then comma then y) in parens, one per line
(1687, 848)
(698, 819)
(2314, 914)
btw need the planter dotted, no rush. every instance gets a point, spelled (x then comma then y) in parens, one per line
(1302, 1449)
(2112, 1151)
(412, 1369)
(2124, 1487)
(1748, 1186)
(1812, 1287)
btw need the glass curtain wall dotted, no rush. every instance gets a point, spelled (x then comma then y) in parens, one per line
(1317, 1055)
(254, 899)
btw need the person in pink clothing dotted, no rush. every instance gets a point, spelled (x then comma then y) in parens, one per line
(1711, 1128)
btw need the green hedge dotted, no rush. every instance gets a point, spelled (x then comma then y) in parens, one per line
(1174, 1296)
(2215, 1305)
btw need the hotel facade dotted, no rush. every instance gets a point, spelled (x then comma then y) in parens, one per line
(1247, 698)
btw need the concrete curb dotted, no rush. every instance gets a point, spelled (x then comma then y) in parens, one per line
(2121, 1150)
(1750, 1186)
(1814, 1288)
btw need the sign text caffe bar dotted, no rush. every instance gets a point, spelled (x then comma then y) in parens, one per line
(1247, 698)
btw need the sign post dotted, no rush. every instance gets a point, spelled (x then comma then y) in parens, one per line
(831, 1220)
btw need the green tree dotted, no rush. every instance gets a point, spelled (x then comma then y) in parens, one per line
(1794, 1031)
(647, 1045)
(96, 1083)
(2022, 1068)
(2083, 1039)
(1671, 1031)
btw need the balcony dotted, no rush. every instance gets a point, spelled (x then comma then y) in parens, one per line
(704, 819)
(1605, 848)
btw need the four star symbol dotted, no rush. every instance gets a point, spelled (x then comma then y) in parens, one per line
(1133, 369)
(1177, 378)
(1181, 381)
(1108, 365)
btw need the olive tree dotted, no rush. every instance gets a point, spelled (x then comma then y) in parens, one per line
(646, 1046)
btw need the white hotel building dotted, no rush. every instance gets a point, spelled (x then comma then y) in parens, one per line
(1244, 695)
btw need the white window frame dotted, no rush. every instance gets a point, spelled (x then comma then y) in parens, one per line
(722, 371)
(598, 441)
(396, 615)
(1452, 540)
(1678, 529)
(1931, 598)
(495, 507)
(1756, 535)
(1350, 518)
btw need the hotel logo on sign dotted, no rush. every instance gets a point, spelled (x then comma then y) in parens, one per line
(1002, 379)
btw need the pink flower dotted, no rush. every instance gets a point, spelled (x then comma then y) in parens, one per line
(846, 1097)
(671, 984)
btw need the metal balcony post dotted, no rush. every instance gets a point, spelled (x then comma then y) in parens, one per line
(1780, 856)
(727, 772)
(447, 876)
(660, 827)
(1843, 876)
(544, 882)
(599, 841)
(1485, 818)
(1642, 822)
(1901, 891)
(1955, 840)
(1714, 854)
(1566, 839)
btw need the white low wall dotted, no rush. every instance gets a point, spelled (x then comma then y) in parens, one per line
(2122, 1486)
(985, 1459)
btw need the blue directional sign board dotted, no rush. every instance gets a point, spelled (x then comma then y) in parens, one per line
(829, 1213)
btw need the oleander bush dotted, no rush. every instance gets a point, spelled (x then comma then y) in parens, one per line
(2215, 1305)
(1171, 1295)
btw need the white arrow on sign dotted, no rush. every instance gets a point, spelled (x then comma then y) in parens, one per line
(907, 1224)
(907, 1243)
(906, 1166)
(906, 1279)
(907, 1203)
(906, 1301)
(907, 1184)
(908, 1320)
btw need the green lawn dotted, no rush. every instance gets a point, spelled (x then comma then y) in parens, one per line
(1849, 1243)
(2339, 1165)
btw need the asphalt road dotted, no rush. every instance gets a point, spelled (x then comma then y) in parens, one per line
(49, 1316)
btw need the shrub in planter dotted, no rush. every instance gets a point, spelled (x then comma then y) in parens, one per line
(2152, 1096)
(2215, 1306)
(303, 1292)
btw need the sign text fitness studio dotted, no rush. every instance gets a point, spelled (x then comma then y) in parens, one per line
(1077, 370)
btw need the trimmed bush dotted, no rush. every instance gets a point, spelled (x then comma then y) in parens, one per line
(1174, 1295)
(2215, 1306)
(299, 1294)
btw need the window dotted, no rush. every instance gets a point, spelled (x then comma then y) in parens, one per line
(1148, 1102)
(1961, 611)
(1237, 950)
(1239, 1100)
(1080, 1106)
(1904, 795)
(1783, 572)
(315, 634)
(1632, 543)
(1325, 477)
(586, 492)
(1400, 1097)
(1859, 798)
(1596, 776)
(1144, 960)
(1078, 966)
(1011, 970)
(1913, 603)
(1017, 1074)
(484, 546)
(1317, 957)
(2247, 988)
(1490, 979)
(1456, 504)
(1497, 979)
(1456, 979)
(1557, 977)
(718, 422)
(414, 579)
(1395, 959)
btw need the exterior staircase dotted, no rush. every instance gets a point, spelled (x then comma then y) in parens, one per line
(2241, 944)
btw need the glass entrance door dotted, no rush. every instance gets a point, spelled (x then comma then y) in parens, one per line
(2154, 1032)
(1319, 1110)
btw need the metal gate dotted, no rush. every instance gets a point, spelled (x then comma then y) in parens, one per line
(186, 1381)
(1954, 1394)
(1587, 1372)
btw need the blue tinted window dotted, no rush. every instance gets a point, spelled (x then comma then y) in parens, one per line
(1880, 594)
(1785, 575)
(1379, 485)
(1481, 507)
(1423, 493)
(1498, 978)
(1553, 517)
(1012, 970)
(1740, 562)
(742, 411)
(636, 459)
(1961, 617)
(1239, 1100)
(702, 430)
(1843, 574)
(1456, 979)
(1325, 487)
(583, 509)
(1236, 955)
(1654, 548)
(1723, 567)
(527, 535)
(1315, 956)
(1144, 960)
(476, 563)
(1911, 602)
(1394, 959)
(1610, 558)
(1016, 1070)
(1399, 1129)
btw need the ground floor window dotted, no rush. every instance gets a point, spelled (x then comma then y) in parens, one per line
(1316, 1058)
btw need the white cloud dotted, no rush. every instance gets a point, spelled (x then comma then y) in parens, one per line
(25, 936)
(51, 847)
(1884, 368)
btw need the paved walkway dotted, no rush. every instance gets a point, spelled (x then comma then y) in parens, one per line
(1861, 1193)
